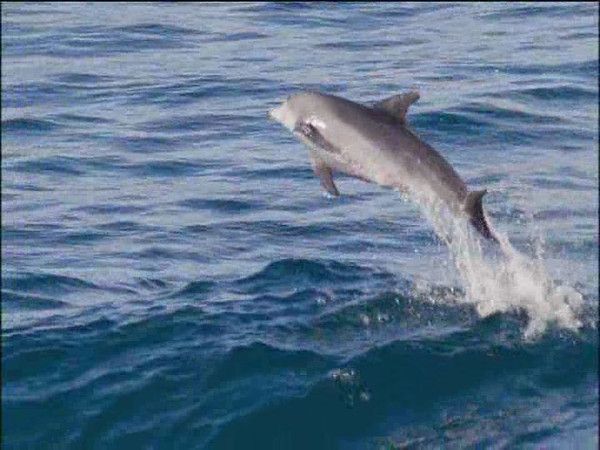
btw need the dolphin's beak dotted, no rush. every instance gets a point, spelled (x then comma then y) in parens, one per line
(275, 114)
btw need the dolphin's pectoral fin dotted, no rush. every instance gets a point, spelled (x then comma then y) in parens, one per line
(474, 210)
(398, 105)
(310, 133)
(325, 175)
(311, 136)
(304, 129)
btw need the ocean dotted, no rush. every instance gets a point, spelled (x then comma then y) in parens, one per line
(173, 275)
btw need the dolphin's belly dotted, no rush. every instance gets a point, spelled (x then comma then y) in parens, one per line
(345, 151)
(341, 162)
(363, 158)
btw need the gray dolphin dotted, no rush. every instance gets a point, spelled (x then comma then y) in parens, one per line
(376, 145)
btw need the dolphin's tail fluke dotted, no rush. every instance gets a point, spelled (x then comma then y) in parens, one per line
(474, 209)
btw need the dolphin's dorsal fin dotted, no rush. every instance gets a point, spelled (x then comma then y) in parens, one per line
(398, 105)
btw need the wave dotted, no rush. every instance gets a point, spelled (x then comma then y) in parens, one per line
(16, 301)
(261, 359)
(44, 283)
(156, 29)
(563, 93)
(223, 205)
(194, 288)
(404, 379)
(302, 272)
(58, 165)
(545, 10)
(98, 41)
(81, 79)
(286, 386)
(28, 126)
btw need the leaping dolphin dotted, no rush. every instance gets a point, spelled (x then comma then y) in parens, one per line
(375, 144)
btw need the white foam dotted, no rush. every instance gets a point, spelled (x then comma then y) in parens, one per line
(506, 280)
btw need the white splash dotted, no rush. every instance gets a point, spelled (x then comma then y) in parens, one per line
(501, 281)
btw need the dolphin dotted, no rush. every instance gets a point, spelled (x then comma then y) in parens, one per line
(375, 144)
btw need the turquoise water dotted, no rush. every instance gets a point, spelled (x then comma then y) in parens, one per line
(173, 276)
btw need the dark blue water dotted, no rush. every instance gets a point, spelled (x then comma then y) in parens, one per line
(173, 276)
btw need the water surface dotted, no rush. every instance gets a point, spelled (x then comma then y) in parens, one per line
(173, 276)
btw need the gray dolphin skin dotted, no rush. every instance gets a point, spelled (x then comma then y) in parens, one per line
(374, 143)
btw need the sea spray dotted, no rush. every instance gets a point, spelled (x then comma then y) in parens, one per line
(499, 278)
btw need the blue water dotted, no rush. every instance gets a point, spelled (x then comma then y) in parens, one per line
(174, 277)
